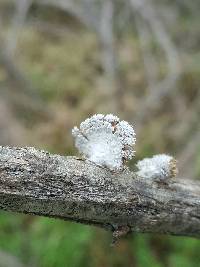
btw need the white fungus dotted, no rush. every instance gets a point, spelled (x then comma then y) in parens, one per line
(105, 140)
(159, 166)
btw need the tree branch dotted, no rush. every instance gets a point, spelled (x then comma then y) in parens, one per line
(36, 182)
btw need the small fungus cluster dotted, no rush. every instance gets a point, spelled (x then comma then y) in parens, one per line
(159, 166)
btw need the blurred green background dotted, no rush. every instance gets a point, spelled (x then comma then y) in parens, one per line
(62, 61)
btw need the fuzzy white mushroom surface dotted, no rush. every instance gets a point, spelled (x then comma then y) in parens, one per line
(105, 140)
(159, 166)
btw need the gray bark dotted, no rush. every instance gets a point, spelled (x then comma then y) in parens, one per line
(36, 182)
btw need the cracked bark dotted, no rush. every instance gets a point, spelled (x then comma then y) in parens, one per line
(36, 182)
